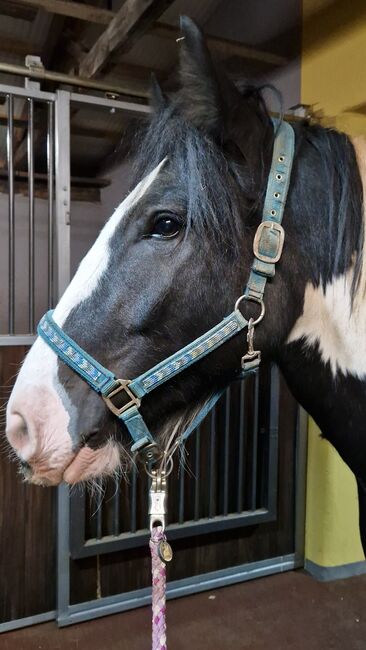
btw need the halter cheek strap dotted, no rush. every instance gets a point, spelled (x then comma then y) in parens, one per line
(122, 396)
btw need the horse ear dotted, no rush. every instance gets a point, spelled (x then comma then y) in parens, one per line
(157, 99)
(199, 97)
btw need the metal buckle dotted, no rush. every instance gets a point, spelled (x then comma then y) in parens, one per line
(272, 225)
(123, 385)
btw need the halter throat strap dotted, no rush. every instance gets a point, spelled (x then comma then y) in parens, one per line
(122, 396)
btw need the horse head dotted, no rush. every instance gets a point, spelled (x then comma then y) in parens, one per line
(168, 265)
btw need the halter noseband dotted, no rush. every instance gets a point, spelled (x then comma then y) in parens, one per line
(123, 396)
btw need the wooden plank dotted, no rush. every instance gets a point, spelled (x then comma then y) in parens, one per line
(77, 10)
(18, 46)
(129, 23)
(225, 47)
(9, 8)
(27, 526)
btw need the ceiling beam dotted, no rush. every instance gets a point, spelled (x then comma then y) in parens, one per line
(10, 8)
(223, 46)
(18, 46)
(130, 22)
(78, 10)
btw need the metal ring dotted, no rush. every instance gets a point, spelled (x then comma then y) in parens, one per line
(259, 301)
(169, 470)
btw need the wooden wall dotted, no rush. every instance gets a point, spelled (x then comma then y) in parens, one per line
(27, 525)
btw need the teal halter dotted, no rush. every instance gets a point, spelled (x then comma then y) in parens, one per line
(267, 248)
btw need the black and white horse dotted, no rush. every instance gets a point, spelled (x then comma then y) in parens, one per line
(171, 262)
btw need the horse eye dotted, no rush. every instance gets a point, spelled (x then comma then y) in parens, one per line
(166, 226)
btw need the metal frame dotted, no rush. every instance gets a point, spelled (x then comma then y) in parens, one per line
(19, 623)
(30, 95)
(59, 202)
(176, 589)
(81, 547)
(69, 614)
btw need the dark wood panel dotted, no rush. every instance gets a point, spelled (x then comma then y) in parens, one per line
(128, 570)
(27, 525)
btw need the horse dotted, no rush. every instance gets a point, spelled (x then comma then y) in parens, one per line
(172, 261)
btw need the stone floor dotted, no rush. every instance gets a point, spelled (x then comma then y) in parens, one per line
(289, 610)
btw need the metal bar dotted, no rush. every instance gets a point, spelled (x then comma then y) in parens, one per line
(140, 538)
(177, 588)
(123, 105)
(99, 513)
(273, 440)
(226, 452)
(134, 499)
(17, 91)
(197, 473)
(11, 216)
(181, 485)
(63, 550)
(116, 504)
(50, 180)
(62, 187)
(19, 623)
(300, 496)
(69, 80)
(212, 498)
(253, 495)
(241, 459)
(16, 339)
(30, 146)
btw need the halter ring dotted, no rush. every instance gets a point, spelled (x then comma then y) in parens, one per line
(259, 301)
(169, 469)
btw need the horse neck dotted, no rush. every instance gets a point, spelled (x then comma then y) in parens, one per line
(327, 342)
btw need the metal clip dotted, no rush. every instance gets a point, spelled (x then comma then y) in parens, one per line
(158, 500)
(252, 358)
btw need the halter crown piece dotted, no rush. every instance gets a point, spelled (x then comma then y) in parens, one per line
(123, 396)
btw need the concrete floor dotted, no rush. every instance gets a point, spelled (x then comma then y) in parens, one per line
(275, 613)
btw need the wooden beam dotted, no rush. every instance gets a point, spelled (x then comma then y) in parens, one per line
(18, 46)
(223, 46)
(10, 8)
(78, 10)
(130, 22)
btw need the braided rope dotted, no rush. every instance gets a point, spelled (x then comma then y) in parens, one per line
(158, 571)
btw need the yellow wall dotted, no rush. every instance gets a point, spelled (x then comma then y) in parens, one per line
(334, 81)
(334, 61)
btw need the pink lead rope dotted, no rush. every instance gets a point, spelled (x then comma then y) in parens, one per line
(161, 553)
(158, 570)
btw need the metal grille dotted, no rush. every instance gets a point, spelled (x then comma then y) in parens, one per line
(26, 244)
(226, 478)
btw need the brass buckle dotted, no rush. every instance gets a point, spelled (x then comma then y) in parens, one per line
(272, 225)
(123, 385)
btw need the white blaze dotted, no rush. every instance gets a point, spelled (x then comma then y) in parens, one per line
(37, 394)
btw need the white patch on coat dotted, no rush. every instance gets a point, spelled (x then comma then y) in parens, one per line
(38, 396)
(329, 320)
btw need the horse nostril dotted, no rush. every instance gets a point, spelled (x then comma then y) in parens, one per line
(17, 431)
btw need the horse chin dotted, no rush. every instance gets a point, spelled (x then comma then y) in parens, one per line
(87, 464)
(93, 463)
